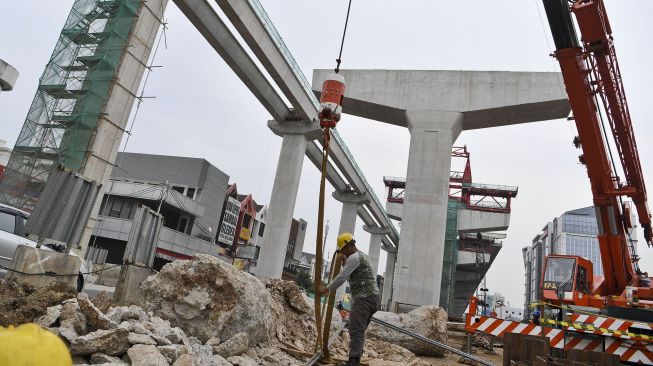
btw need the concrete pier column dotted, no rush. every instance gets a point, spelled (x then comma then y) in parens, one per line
(350, 202)
(376, 236)
(419, 259)
(295, 136)
(388, 279)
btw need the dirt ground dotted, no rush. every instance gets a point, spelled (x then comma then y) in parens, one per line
(451, 359)
(21, 303)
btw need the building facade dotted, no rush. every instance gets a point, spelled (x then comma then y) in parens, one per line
(188, 192)
(573, 233)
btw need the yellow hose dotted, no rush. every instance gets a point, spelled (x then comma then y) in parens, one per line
(319, 240)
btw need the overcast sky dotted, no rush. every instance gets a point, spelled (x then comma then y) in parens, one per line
(202, 109)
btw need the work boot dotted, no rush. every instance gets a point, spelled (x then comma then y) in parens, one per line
(353, 361)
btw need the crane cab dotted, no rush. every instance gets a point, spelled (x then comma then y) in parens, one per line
(567, 280)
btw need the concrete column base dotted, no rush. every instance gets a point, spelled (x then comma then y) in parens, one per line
(36, 260)
(128, 291)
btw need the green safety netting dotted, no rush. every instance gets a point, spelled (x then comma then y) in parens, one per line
(450, 258)
(71, 96)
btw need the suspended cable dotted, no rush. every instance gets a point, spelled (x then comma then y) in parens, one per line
(342, 42)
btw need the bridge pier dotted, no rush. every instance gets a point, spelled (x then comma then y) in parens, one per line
(376, 236)
(295, 136)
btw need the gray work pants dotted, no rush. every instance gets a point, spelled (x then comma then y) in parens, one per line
(361, 314)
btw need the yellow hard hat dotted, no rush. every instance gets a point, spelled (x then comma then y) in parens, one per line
(31, 345)
(344, 239)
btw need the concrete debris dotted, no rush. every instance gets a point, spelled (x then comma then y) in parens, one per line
(121, 313)
(235, 346)
(146, 355)
(72, 317)
(110, 341)
(203, 312)
(103, 301)
(208, 298)
(21, 303)
(52, 314)
(242, 361)
(173, 352)
(100, 358)
(135, 338)
(94, 317)
(429, 321)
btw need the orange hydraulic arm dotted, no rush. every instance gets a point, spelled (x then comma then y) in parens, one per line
(591, 73)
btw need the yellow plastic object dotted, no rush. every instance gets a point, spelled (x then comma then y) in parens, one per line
(31, 345)
(344, 239)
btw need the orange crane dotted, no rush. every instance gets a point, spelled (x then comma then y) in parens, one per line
(593, 82)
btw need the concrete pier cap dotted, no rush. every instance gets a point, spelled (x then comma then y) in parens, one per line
(436, 106)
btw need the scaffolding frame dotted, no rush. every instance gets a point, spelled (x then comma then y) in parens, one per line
(72, 93)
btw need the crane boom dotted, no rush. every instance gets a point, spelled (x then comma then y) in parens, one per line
(591, 72)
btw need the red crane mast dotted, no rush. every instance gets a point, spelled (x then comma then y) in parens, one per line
(591, 73)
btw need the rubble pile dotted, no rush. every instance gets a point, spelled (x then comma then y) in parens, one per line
(203, 312)
(20, 303)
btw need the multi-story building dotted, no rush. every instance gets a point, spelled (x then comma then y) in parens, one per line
(573, 233)
(188, 192)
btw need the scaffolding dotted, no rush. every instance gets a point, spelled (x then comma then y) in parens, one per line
(72, 93)
(450, 257)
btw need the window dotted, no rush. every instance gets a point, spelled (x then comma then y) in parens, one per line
(7, 222)
(261, 229)
(116, 206)
(246, 220)
(178, 189)
(190, 193)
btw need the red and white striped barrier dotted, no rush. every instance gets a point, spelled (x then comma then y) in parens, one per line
(609, 341)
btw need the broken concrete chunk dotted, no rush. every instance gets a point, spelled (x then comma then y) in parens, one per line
(111, 342)
(172, 352)
(51, 316)
(146, 355)
(235, 346)
(213, 342)
(191, 305)
(209, 298)
(135, 338)
(161, 341)
(72, 315)
(94, 317)
(184, 360)
(220, 361)
(429, 321)
(176, 335)
(101, 358)
(202, 355)
(241, 361)
(121, 313)
(67, 331)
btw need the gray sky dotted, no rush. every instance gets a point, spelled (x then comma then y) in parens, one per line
(202, 110)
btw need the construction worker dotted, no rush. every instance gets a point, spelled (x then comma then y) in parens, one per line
(365, 294)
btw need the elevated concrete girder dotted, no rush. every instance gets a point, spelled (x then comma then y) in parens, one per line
(436, 106)
(474, 221)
